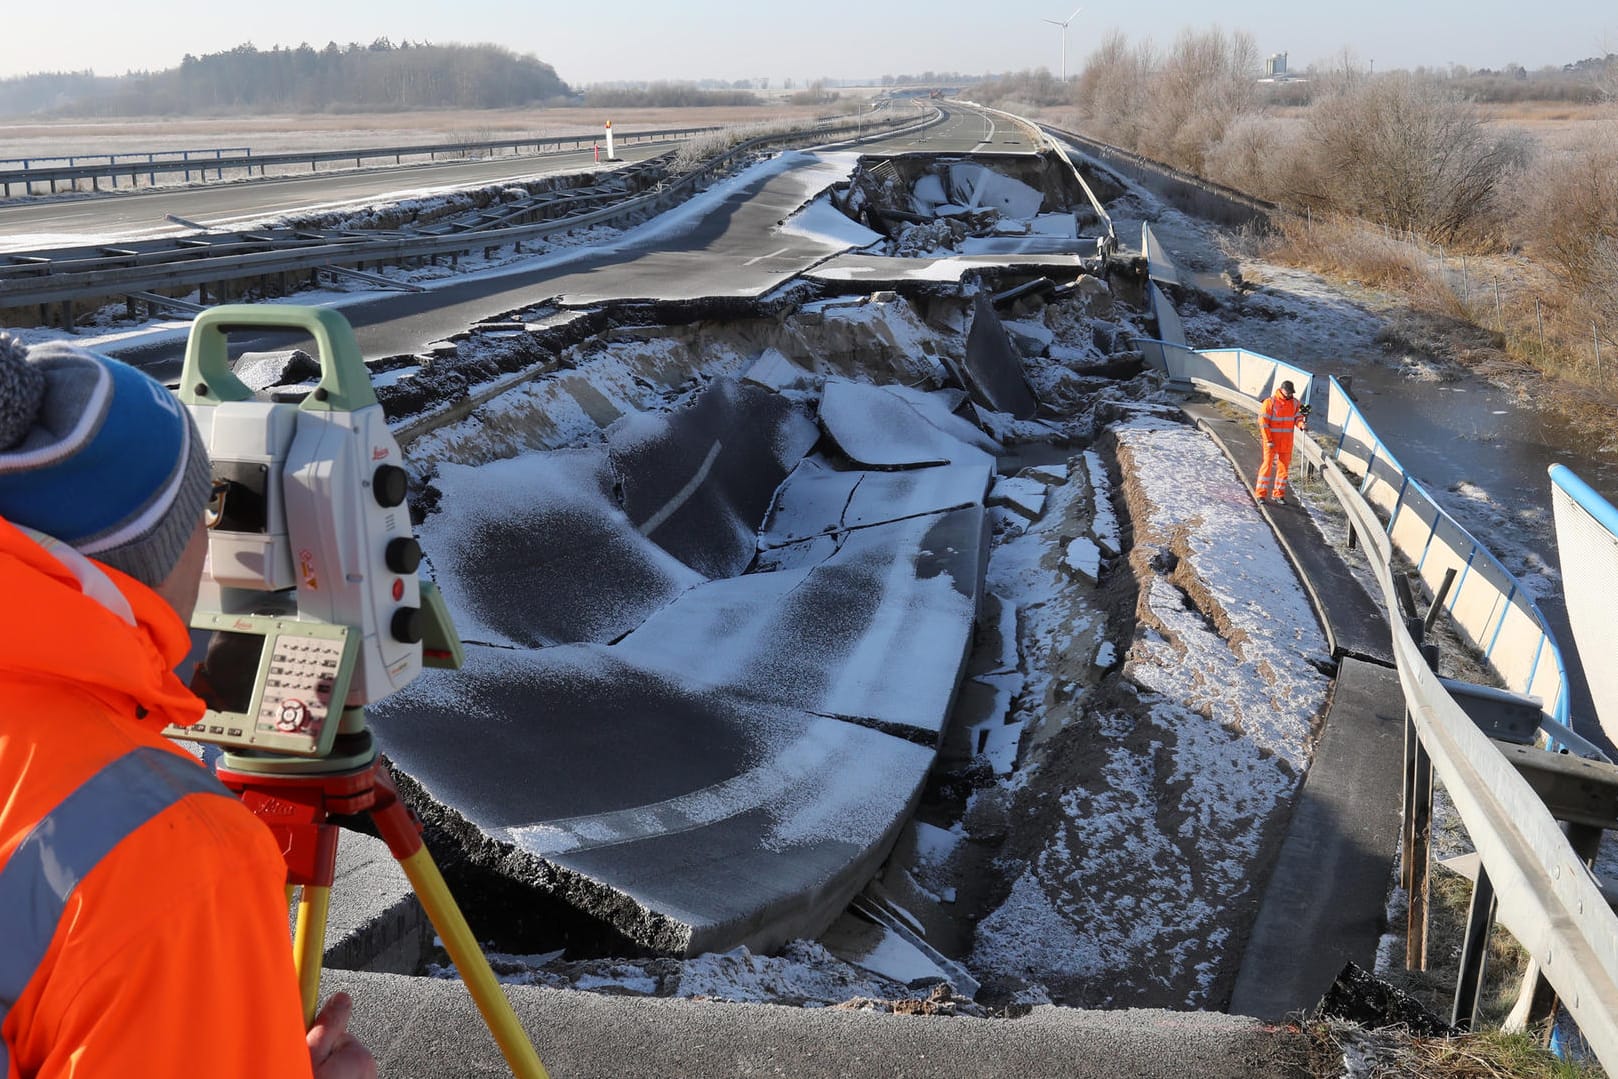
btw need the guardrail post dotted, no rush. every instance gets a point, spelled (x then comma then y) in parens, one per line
(1474, 954)
(1417, 844)
(1418, 821)
(1438, 601)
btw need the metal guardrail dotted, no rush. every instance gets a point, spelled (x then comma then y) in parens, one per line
(1212, 200)
(1488, 605)
(1545, 894)
(115, 276)
(150, 157)
(1042, 137)
(27, 177)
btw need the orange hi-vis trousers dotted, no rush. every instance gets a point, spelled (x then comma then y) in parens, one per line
(1277, 458)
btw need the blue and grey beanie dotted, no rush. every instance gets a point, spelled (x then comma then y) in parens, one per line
(98, 455)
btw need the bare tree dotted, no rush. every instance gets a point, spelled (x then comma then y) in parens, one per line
(1571, 219)
(1205, 83)
(1112, 89)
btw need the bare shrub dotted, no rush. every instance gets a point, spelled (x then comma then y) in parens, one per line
(1407, 152)
(1261, 155)
(1204, 84)
(1570, 221)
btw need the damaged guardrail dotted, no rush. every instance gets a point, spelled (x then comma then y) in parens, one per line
(1529, 875)
(1043, 137)
(1189, 192)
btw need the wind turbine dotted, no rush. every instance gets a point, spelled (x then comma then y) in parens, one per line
(1063, 24)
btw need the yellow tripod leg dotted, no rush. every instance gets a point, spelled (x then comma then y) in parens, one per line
(468, 958)
(309, 946)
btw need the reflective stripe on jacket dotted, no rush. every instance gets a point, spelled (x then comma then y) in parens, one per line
(142, 913)
(1278, 418)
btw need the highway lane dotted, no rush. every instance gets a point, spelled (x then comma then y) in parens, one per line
(964, 129)
(140, 215)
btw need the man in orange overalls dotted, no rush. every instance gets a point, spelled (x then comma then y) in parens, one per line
(143, 921)
(1278, 417)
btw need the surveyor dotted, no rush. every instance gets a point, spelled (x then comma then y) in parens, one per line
(143, 919)
(1278, 418)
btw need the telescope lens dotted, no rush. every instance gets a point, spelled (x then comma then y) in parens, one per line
(215, 510)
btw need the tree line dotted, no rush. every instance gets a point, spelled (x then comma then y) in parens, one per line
(375, 77)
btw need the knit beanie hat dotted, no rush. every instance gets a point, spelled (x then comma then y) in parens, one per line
(98, 455)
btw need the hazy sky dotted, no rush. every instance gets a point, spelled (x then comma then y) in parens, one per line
(733, 39)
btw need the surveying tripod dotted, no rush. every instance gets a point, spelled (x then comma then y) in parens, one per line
(297, 798)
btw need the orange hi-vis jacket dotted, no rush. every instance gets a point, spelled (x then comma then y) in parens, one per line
(143, 925)
(1277, 419)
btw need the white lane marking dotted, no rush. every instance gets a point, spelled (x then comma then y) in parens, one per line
(672, 506)
(987, 139)
(761, 258)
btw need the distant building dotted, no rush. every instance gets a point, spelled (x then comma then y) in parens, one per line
(1275, 70)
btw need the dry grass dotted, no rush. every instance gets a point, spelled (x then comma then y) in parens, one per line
(1347, 248)
(1393, 1054)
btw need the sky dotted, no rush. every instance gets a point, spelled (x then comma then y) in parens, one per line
(754, 39)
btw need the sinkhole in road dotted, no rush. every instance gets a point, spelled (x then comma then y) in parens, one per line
(624, 375)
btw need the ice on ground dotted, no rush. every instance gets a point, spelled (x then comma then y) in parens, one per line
(1516, 538)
